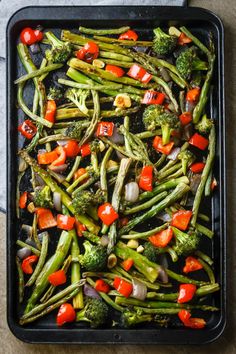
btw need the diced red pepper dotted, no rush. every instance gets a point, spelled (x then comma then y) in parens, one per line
(85, 150)
(162, 238)
(29, 36)
(183, 39)
(181, 219)
(23, 200)
(65, 222)
(188, 321)
(129, 35)
(199, 141)
(127, 264)
(80, 172)
(123, 221)
(89, 52)
(146, 178)
(45, 218)
(191, 265)
(122, 286)
(139, 73)
(102, 286)
(105, 129)
(186, 293)
(164, 149)
(115, 70)
(185, 118)
(80, 228)
(153, 97)
(47, 157)
(193, 94)
(27, 129)
(61, 159)
(213, 184)
(51, 110)
(38, 34)
(65, 314)
(71, 148)
(197, 167)
(107, 214)
(57, 278)
(27, 264)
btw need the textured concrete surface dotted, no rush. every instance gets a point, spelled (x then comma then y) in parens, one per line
(227, 343)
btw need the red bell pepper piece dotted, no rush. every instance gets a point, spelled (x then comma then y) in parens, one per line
(51, 110)
(122, 286)
(29, 36)
(105, 129)
(127, 264)
(162, 238)
(129, 35)
(153, 97)
(107, 214)
(89, 52)
(47, 157)
(57, 278)
(72, 148)
(45, 218)
(80, 228)
(115, 70)
(27, 129)
(122, 222)
(197, 167)
(80, 172)
(185, 118)
(102, 286)
(183, 39)
(195, 323)
(181, 219)
(146, 177)
(65, 314)
(85, 150)
(193, 94)
(61, 159)
(27, 264)
(213, 184)
(164, 149)
(65, 222)
(23, 200)
(38, 34)
(199, 141)
(186, 293)
(191, 265)
(139, 73)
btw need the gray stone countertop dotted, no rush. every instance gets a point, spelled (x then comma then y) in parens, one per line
(227, 343)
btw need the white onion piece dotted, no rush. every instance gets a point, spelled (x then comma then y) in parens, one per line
(189, 106)
(22, 165)
(104, 240)
(131, 192)
(164, 216)
(39, 181)
(139, 290)
(57, 201)
(41, 151)
(174, 153)
(60, 168)
(162, 276)
(23, 253)
(62, 142)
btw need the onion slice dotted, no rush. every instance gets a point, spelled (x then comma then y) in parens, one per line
(62, 142)
(104, 240)
(174, 153)
(90, 292)
(57, 201)
(162, 276)
(57, 169)
(139, 290)
(131, 192)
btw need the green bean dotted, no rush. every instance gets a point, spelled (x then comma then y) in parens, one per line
(20, 280)
(204, 256)
(128, 43)
(33, 249)
(204, 230)
(74, 168)
(100, 32)
(145, 205)
(38, 72)
(146, 234)
(208, 270)
(115, 56)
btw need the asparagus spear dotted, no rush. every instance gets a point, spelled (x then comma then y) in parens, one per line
(145, 205)
(20, 280)
(38, 72)
(100, 32)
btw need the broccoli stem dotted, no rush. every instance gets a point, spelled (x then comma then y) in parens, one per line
(175, 195)
(204, 176)
(38, 72)
(116, 196)
(146, 205)
(66, 200)
(54, 41)
(21, 283)
(100, 32)
(146, 234)
(105, 297)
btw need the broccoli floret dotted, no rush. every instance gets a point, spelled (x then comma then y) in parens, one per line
(60, 51)
(150, 252)
(163, 43)
(150, 116)
(95, 257)
(75, 130)
(186, 158)
(204, 125)
(95, 312)
(168, 122)
(54, 94)
(130, 318)
(78, 97)
(188, 61)
(43, 198)
(84, 199)
(185, 243)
